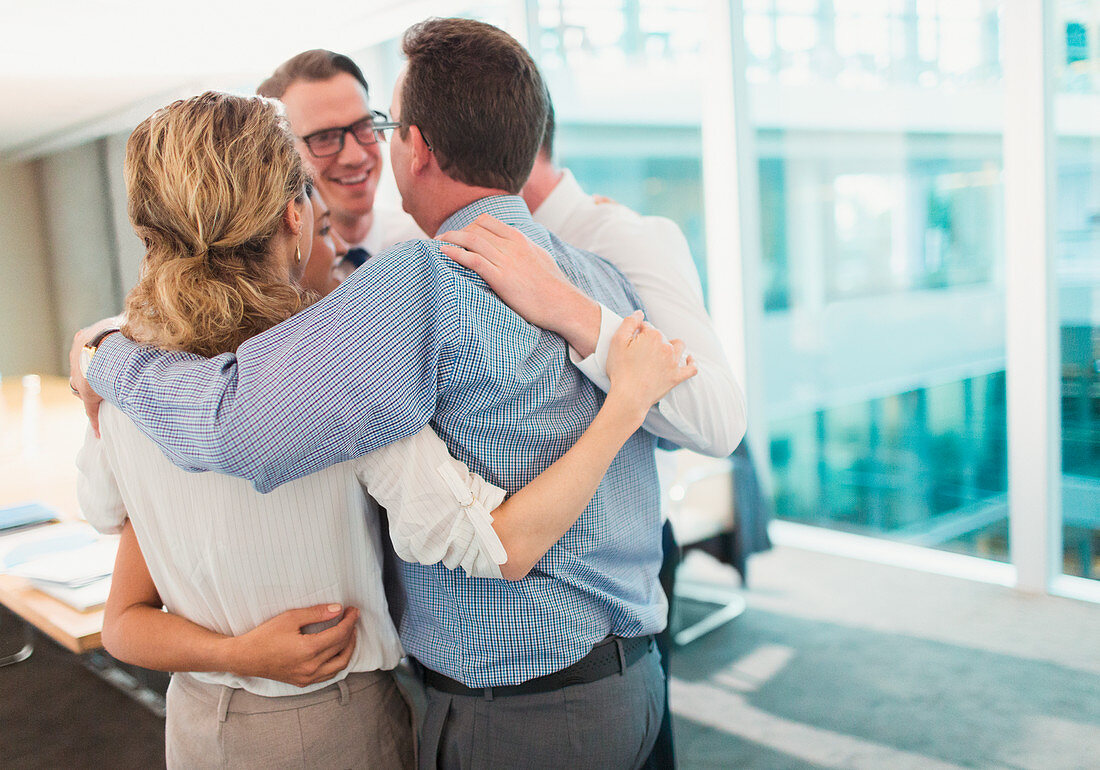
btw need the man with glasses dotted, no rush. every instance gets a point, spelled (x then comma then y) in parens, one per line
(339, 135)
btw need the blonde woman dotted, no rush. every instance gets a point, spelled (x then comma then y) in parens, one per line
(216, 190)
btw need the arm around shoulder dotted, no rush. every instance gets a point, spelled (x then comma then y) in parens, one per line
(268, 412)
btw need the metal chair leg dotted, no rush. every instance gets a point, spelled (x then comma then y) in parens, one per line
(28, 647)
(111, 671)
(731, 604)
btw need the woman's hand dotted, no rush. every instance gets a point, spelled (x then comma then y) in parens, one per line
(77, 384)
(526, 278)
(643, 366)
(279, 650)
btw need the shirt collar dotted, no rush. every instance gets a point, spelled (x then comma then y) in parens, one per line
(560, 204)
(509, 209)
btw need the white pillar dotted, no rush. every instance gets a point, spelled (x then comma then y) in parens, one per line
(1033, 381)
(731, 204)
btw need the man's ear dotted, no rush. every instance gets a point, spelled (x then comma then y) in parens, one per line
(421, 156)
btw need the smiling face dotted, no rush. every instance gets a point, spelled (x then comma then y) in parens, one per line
(349, 179)
(322, 273)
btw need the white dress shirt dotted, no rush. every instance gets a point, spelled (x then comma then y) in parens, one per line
(390, 227)
(229, 558)
(705, 414)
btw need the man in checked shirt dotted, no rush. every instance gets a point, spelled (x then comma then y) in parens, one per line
(557, 669)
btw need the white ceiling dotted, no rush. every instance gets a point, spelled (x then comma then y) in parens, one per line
(74, 69)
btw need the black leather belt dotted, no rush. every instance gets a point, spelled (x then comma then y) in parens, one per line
(613, 655)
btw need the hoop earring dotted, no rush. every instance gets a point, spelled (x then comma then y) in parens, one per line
(298, 254)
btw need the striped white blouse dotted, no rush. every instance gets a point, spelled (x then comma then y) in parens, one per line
(229, 558)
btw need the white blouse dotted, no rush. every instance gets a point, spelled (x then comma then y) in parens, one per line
(706, 413)
(230, 558)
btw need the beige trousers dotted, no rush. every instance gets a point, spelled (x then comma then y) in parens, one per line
(360, 722)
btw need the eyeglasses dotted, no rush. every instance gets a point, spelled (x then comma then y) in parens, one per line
(393, 125)
(330, 141)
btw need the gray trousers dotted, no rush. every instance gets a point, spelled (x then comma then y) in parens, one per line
(610, 723)
(361, 722)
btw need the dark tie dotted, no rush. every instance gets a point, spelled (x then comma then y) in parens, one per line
(356, 256)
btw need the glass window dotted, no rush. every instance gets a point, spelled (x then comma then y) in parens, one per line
(632, 134)
(1077, 250)
(874, 43)
(883, 258)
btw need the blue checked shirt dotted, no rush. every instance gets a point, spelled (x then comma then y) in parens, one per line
(411, 338)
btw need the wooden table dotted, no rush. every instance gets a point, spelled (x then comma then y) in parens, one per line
(39, 465)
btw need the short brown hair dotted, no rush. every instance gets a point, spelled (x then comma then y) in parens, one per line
(547, 148)
(208, 180)
(478, 99)
(313, 65)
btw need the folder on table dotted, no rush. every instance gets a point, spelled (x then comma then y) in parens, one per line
(30, 543)
(69, 561)
(27, 515)
(73, 567)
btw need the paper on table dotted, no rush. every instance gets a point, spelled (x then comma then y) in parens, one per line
(73, 567)
(28, 544)
(83, 598)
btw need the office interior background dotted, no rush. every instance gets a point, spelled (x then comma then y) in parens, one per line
(894, 206)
